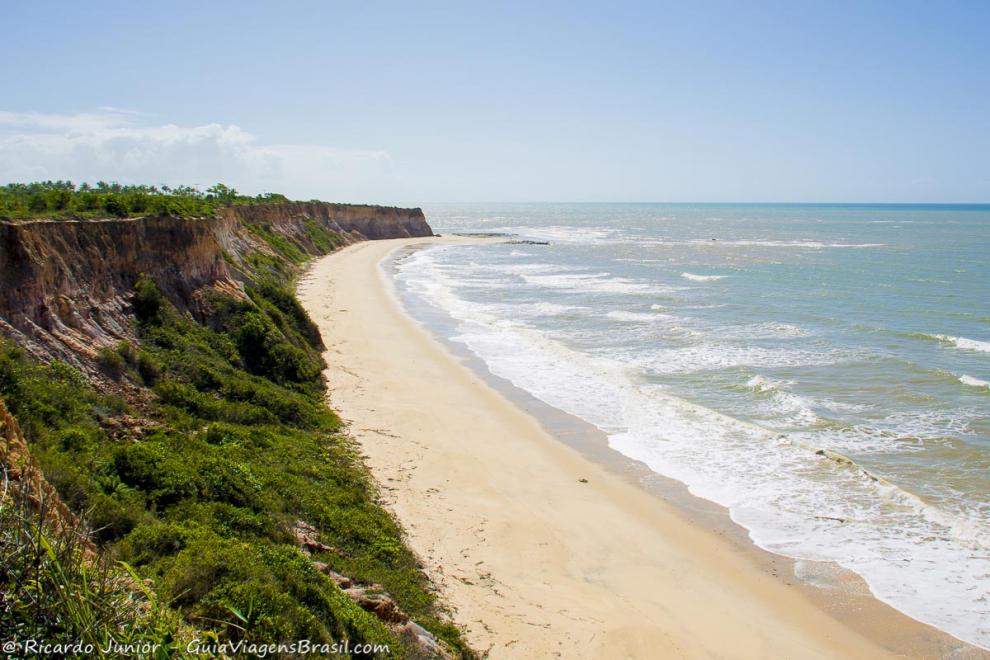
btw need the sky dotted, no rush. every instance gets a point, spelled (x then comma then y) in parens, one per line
(415, 103)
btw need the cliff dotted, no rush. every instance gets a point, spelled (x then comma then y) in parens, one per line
(358, 220)
(23, 480)
(65, 285)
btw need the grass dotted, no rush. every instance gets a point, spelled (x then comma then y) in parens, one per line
(51, 591)
(241, 446)
(279, 243)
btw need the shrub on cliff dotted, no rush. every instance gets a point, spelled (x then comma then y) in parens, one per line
(37, 203)
(52, 591)
(115, 206)
(266, 351)
(147, 300)
(203, 502)
(271, 296)
(111, 362)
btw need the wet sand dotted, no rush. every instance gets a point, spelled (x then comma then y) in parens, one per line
(540, 550)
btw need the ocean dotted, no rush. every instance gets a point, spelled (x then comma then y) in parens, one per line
(822, 371)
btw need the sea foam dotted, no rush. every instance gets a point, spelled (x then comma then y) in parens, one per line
(701, 278)
(638, 317)
(964, 343)
(975, 382)
(797, 492)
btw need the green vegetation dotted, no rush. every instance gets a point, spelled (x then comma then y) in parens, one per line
(289, 253)
(201, 498)
(322, 238)
(279, 243)
(49, 591)
(65, 200)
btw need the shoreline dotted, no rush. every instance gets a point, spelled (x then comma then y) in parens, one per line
(533, 560)
(840, 592)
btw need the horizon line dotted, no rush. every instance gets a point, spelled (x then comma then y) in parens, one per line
(728, 203)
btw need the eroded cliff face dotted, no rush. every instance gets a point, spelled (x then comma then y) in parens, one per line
(65, 286)
(22, 479)
(359, 221)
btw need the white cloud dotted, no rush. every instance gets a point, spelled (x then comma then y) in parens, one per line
(120, 145)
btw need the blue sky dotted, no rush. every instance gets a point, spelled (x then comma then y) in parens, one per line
(428, 102)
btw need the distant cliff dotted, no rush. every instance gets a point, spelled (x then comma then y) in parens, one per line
(360, 221)
(65, 285)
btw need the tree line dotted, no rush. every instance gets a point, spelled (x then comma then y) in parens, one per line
(66, 200)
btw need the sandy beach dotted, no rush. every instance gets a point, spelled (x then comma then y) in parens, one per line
(539, 551)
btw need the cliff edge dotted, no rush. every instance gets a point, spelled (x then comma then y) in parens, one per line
(65, 285)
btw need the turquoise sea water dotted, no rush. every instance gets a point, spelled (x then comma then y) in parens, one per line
(823, 371)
